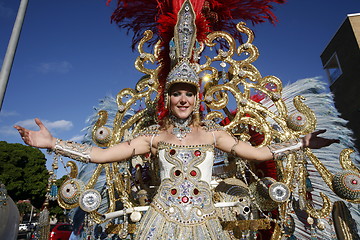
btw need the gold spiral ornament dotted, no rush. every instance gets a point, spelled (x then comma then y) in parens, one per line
(70, 191)
(296, 121)
(103, 135)
(346, 184)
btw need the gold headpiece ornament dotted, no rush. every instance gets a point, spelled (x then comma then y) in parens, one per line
(182, 47)
(183, 72)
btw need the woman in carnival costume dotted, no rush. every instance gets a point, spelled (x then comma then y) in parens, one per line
(184, 144)
(183, 206)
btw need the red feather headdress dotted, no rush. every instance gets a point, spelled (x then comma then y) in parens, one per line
(160, 16)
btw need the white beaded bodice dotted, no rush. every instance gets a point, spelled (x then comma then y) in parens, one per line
(184, 195)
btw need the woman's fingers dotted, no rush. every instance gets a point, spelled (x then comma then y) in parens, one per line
(318, 132)
(24, 133)
(39, 123)
(21, 130)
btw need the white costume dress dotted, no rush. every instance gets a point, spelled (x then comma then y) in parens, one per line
(183, 207)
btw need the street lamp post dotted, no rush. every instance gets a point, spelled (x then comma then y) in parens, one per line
(10, 52)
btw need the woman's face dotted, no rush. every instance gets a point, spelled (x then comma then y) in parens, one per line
(182, 100)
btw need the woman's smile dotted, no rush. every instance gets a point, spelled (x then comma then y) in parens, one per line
(182, 100)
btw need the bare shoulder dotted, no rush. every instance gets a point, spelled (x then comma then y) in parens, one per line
(217, 131)
(152, 135)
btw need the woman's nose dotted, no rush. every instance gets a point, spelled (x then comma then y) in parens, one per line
(183, 99)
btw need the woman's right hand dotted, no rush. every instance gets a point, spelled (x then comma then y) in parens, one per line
(39, 139)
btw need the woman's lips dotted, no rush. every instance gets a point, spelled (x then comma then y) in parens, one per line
(182, 107)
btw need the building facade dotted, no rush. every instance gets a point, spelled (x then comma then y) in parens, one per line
(341, 61)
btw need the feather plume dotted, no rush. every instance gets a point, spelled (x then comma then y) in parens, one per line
(212, 15)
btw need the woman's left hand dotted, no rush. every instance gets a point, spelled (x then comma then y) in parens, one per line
(313, 141)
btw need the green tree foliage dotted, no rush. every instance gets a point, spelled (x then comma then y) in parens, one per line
(23, 207)
(23, 171)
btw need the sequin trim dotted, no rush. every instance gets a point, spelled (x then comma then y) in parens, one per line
(211, 126)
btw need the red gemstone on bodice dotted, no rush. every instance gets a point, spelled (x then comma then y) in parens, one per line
(177, 173)
(172, 151)
(173, 191)
(354, 181)
(197, 153)
(184, 199)
(193, 173)
(196, 191)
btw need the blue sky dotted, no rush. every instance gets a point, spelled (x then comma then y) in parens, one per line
(69, 56)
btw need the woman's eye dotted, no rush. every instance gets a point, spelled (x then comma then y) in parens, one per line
(175, 94)
(189, 94)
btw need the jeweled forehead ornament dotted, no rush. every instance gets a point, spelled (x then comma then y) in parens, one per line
(184, 33)
(183, 72)
(181, 49)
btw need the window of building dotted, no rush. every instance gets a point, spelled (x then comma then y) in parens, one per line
(333, 68)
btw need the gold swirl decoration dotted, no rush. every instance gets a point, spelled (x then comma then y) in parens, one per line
(118, 184)
(101, 135)
(309, 115)
(232, 83)
(346, 162)
(73, 169)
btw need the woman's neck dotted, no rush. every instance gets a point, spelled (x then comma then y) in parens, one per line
(180, 122)
(181, 127)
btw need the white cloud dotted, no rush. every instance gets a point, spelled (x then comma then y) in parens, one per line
(8, 131)
(56, 126)
(29, 123)
(57, 67)
(5, 11)
(60, 125)
(8, 114)
(77, 138)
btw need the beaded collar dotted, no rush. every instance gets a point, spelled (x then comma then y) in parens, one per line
(181, 126)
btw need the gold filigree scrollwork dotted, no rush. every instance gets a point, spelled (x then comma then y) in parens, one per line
(320, 213)
(277, 234)
(346, 162)
(327, 177)
(288, 173)
(99, 130)
(243, 79)
(222, 55)
(237, 82)
(118, 183)
(122, 185)
(309, 114)
(145, 57)
(96, 216)
(73, 169)
(65, 205)
(324, 172)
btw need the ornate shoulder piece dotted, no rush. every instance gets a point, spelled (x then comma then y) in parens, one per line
(211, 126)
(149, 131)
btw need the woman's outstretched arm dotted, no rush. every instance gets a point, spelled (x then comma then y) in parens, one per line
(44, 139)
(227, 143)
